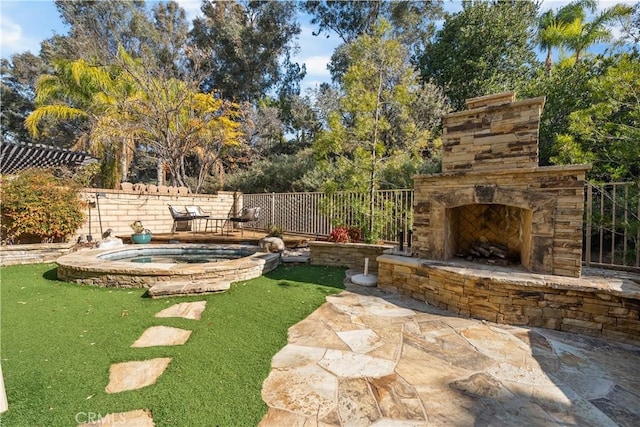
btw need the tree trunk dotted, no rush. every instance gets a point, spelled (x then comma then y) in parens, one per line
(123, 162)
(160, 172)
(548, 63)
(372, 174)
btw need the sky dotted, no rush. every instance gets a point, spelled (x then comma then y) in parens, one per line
(25, 23)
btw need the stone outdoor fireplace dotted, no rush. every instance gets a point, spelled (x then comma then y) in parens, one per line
(492, 198)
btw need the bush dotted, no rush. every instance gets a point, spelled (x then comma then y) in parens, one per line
(344, 234)
(37, 205)
(275, 230)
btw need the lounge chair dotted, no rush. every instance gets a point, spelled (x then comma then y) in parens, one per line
(247, 215)
(179, 216)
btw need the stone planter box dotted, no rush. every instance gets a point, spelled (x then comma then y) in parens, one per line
(350, 255)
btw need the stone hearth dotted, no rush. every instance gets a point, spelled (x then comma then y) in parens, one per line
(492, 190)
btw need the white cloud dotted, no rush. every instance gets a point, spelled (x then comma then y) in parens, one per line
(191, 8)
(13, 40)
(317, 65)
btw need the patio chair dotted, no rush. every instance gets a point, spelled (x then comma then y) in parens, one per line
(247, 215)
(179, 216)
(198, 213)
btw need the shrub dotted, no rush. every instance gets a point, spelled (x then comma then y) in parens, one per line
(275, 230)
(37, 205)
(355, 234)
(344, 234)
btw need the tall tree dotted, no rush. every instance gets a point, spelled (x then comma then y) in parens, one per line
(169, 38)
(248, 44)
(631, 28)
(98, 28)
(553, 28)
(19, 76)
(566, 90)
(413, 23)
(606, 133)
(582, 34)
(90, 97)
(487, 47)
(132, 105)
(375, 119)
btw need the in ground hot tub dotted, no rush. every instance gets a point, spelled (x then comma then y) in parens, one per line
(114, 268)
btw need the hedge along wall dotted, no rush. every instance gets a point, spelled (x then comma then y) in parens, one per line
(119, 208)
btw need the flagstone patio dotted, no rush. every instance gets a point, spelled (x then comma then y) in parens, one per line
(368, 357)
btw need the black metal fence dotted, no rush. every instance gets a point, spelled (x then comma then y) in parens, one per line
(612, 225)
(611, 220)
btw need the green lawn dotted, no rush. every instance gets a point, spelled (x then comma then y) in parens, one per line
(59, 339)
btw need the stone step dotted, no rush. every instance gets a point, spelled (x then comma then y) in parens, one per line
(173, 288)
(295, 259)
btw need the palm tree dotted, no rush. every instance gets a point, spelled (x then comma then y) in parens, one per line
(581, 35)
(133, 104)
(94, 95)
(553, 28)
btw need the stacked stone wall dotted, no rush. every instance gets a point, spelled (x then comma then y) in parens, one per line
(33, 254)
(587, 306)
(350, 255)
(496, 132)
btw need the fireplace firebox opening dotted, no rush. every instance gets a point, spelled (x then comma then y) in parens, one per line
(489, 233)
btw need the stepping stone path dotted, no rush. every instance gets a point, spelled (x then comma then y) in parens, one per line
(134, 375)
(162, 335)
(137, 374)
(170, 289)
(186, 310)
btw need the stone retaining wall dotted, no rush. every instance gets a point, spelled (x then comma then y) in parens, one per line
(349, 255)
(33, 254)
(593, 305)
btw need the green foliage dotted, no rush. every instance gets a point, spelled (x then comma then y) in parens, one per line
(37, 204)
(274, 230)
(485, 48)
(280, 173)
(566, 90)
(580, 34)
(607, 132)
(53, 373)
(129, 106)
(413, 24)
(380, 116)
(98, 29)
(248, 45)
(399, 171)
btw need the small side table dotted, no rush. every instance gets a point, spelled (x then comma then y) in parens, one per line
(219, 223)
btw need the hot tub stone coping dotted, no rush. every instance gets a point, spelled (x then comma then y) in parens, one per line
(87, 267)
